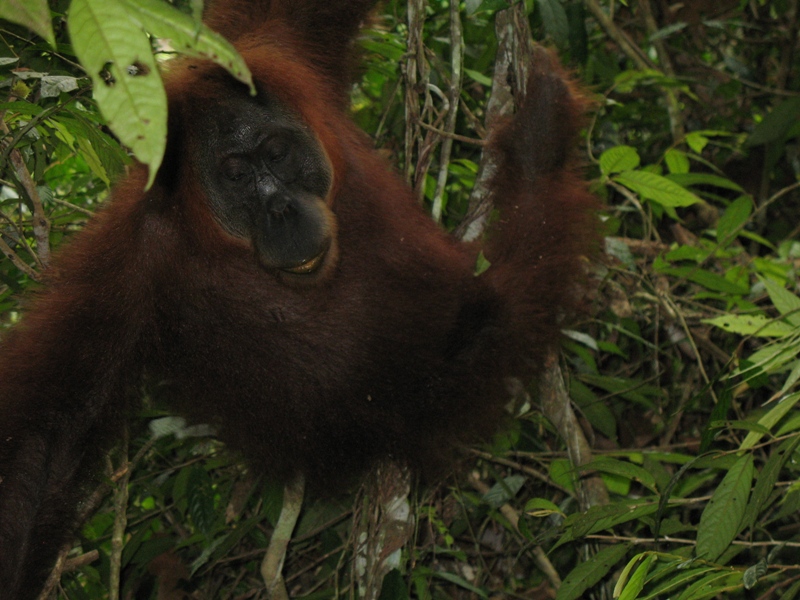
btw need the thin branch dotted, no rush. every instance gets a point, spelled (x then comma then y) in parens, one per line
(627, 46)
(644, 540)
(673, 106)
(508, 511)
(415, 69)
(17, 261)
(458, 138)
(454, 93)
(120, 524)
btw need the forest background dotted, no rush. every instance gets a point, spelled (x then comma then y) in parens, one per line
(666, 467)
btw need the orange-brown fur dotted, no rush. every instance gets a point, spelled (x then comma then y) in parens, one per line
(397, 351)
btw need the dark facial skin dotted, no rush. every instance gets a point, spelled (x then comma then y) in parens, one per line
(266, 177)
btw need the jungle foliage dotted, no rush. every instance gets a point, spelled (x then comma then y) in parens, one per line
(672, 469)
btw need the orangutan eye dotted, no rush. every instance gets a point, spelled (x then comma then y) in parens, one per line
(236, 169)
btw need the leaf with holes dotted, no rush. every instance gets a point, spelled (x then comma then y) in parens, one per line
(757, 325)
(116, 52)
(187, 35)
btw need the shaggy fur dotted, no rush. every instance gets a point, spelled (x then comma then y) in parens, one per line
(395, 350)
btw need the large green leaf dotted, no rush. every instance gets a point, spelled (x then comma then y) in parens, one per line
(33, 14)
(767, 478)
(187, 35)
(721, 517)
(656, 188)
(133, 101)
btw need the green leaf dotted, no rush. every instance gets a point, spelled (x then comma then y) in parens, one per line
(721, 517)
(540, 507)
(482, 264)
(679, 575)
(636, 582)
(687, 179)
(754, 573)
(555, 20)
(792, 593)
(33, 14)
(733, 219)
(461, 582)
(619, 158)
(504, 491)
(713, 585)
(599, 518)
(623, 469)
(586, 574)
(626, 81)
(677, 161)
(707, 279)
(757, 325)
(778, 411)
(776, 124)
(479, 77)
(696, 141)
(622, 580)
(394, 587)
(187, 35)
(134, 104)
(785, 301)
(597, 412)
(767, 478)
(656, 188)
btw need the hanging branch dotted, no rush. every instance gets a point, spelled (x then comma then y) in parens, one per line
(120, 523)
(620, 37)
(510, 27)
(454, 94)
(415, 66)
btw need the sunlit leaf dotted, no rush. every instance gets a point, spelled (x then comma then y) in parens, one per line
(187, 35)
(656, 188)
(677, 162)
(128, 89)
(619, 158)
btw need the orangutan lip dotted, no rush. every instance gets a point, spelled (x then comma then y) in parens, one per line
(309, 266)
